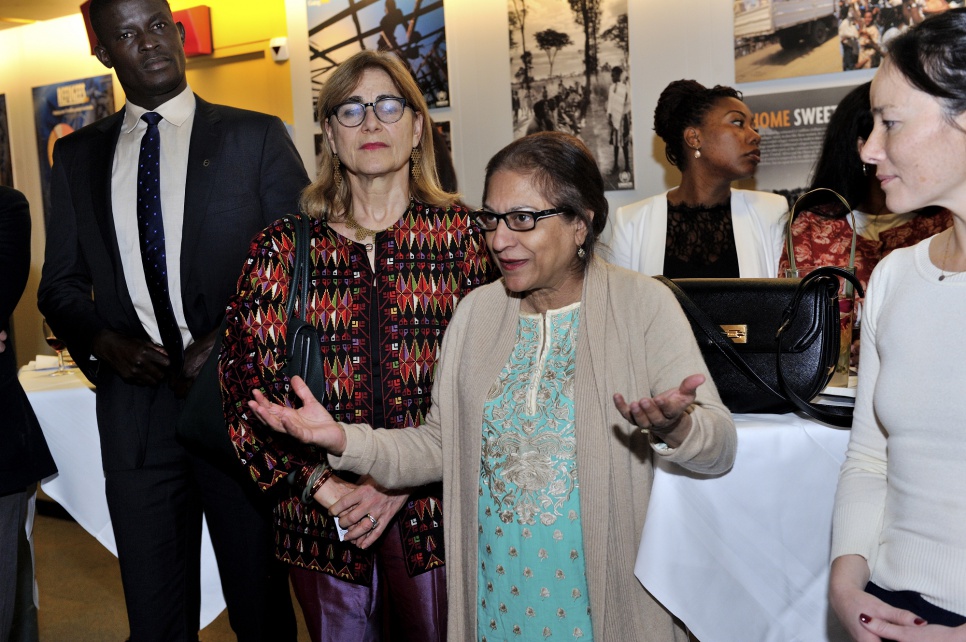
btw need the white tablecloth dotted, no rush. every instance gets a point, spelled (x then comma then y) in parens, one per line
(744, 556)
(64, 405)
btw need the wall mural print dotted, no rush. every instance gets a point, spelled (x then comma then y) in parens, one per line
(570, 72)
(788, 38)
(413, 29)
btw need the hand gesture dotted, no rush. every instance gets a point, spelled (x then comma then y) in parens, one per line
(311, 424)
(367, 511)
(666, 414)
(135, 360)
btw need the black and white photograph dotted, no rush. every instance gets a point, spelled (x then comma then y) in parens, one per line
(413, 29)
(570, 72)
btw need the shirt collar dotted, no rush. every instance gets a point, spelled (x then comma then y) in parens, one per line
(176, 111)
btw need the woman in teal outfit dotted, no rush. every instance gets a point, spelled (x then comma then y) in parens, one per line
(546, 467)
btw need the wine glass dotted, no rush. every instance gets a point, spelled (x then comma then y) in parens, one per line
(58, 346)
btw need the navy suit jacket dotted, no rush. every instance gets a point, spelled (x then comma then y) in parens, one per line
(243, 174)
(24, 457)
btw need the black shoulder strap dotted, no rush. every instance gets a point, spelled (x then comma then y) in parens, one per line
(299, 283)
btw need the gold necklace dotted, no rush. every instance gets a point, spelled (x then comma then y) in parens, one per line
(362, 233)
(942, 268)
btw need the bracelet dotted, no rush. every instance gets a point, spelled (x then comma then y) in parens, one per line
(312, 484)
(301, 477)
(324, 477)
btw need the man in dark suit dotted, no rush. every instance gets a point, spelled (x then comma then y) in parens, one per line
(137, 294)
(24, 457)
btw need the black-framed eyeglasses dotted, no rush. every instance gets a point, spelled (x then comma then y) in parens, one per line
(517, 221)
(351, 114)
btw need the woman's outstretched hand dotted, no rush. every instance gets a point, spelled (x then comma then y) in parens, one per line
(311, 424)
(665, 415)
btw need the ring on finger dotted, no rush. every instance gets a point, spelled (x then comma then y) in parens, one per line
(375, 522)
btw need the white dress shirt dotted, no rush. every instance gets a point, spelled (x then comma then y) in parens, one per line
(175, 131)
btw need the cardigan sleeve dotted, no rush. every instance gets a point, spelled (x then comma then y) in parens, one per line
(671, 355)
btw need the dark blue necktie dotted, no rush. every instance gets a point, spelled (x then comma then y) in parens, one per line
(151, 233)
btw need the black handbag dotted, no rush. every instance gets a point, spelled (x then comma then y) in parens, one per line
(201, 426)
(770, 344)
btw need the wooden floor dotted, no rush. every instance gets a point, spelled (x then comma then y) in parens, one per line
(80, 586)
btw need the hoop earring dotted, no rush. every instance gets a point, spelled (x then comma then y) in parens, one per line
(697, 153)
(414, 159)
(336, 173)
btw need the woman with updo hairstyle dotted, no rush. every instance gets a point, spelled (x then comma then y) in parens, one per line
(899, 524)
(702, 227)
(546, 467)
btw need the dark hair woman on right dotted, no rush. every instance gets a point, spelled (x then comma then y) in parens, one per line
(898, 560)
(703, 227)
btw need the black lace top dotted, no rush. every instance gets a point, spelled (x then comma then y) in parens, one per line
(700, 242)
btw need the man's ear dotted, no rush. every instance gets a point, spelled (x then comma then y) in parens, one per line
(101, 54)
(181, 31)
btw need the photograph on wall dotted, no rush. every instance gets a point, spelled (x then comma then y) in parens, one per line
(65, 107)
(412, 29)
(789, 38)
(570, 72)
(792, 126)
(6, 163)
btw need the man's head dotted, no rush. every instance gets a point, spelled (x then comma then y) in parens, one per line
(140, 40)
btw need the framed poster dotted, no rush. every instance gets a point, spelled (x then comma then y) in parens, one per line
(62, 108)
(789, 38)
(412, 29)
(571, 73)
(792, 126)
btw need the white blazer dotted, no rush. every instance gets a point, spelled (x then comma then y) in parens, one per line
(636, 235)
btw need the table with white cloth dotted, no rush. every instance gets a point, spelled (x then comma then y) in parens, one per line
(64, 406)
(745, 555)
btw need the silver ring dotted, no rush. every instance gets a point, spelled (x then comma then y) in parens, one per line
(375, 522)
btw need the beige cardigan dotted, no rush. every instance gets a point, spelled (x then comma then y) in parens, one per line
(633, 339)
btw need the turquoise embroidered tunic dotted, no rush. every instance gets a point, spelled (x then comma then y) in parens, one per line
(532, 579)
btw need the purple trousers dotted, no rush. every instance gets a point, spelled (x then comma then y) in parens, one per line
(396, 608)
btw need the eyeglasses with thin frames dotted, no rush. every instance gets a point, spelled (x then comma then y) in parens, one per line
(519, 221)
(388, 110)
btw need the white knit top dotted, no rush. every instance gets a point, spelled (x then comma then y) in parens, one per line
(901, 499)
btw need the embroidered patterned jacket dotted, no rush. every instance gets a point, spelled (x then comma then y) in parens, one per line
(425, 263)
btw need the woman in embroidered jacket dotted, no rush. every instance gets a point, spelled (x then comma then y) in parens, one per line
(898, 559)
(546, 467)
(702, 227)
(392, 254)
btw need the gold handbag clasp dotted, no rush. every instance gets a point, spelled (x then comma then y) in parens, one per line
(738, 333)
